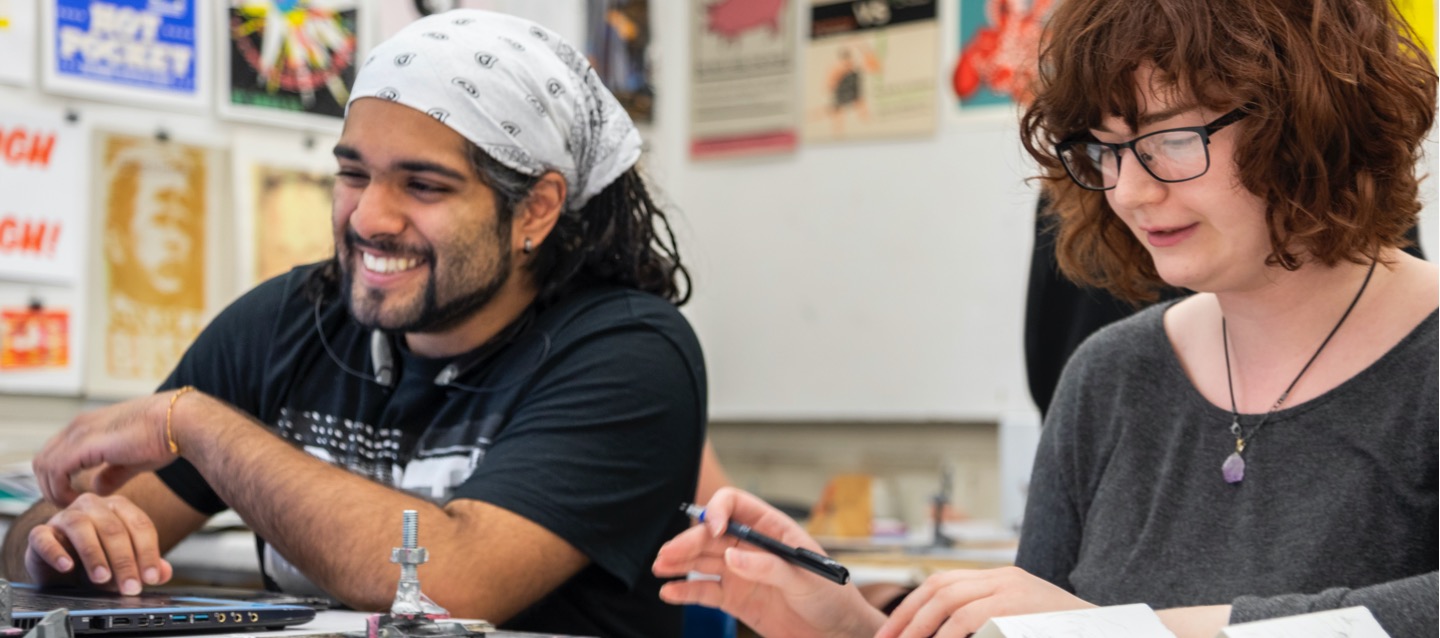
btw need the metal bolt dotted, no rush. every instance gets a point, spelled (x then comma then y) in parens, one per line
(411, 523)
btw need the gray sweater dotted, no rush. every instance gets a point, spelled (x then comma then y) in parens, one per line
(1338, 505)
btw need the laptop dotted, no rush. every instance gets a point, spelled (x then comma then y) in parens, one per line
(155, 611)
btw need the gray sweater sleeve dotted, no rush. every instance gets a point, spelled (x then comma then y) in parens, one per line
(1406, 607)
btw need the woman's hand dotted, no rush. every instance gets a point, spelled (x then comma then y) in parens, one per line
(759, 589)
(957, 603)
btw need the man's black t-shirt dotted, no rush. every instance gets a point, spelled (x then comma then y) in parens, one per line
(587, 419)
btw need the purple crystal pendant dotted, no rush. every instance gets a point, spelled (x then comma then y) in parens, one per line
(1234, 468)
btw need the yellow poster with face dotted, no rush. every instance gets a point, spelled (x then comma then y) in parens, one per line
(292, 219)
(153, 203)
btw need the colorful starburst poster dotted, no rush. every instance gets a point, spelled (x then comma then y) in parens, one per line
(290, 62)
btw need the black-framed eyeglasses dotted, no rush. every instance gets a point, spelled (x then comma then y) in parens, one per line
(1172, 155)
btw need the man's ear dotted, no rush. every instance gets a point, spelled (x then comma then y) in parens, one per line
(538, 213)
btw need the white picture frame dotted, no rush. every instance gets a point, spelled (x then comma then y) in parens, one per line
(235, 97)
(69, 30)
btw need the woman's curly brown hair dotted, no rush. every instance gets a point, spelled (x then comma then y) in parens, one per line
(1338, 93)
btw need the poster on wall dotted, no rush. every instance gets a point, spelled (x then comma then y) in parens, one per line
(999, 50)
(291, 219)
(155, 284)
(145, 52)
(1420, 14)
(565, 17)
(744, 61)
(40, 340)
(871, 70)
(18, 27)
(619, 50)
(282, 195)
(42, 211)
(289, 63)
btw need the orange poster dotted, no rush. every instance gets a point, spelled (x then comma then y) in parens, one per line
(34, 339)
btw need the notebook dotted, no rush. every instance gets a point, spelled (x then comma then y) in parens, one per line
(152, 612)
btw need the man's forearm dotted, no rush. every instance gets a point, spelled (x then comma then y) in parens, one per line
(336, 527)
(17, 539)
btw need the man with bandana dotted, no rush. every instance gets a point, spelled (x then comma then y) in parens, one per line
(495, 344)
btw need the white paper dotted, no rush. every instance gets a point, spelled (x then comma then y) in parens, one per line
(1351, 622)
(42, 224)
(1132, 621)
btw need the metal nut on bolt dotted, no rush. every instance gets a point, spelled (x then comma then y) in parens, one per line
(408, 556)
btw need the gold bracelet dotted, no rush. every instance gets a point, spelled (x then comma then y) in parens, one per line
(169, 432)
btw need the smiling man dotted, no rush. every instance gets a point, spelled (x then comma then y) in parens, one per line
(494, 344)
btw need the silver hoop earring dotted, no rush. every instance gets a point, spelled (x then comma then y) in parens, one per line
(529, 247)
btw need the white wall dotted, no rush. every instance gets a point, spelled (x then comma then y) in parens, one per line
(865, 280)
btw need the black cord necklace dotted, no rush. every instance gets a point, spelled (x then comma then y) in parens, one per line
(1234, 467)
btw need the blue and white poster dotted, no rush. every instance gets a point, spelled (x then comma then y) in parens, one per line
(148, 52)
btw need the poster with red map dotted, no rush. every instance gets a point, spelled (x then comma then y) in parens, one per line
(742, 82)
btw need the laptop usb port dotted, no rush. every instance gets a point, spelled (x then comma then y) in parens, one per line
(179, 618)
(158, 621)
(118, 622)
(201, 617)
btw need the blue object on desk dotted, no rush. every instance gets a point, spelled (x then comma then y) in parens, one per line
(708, 622)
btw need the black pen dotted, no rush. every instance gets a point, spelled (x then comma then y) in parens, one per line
(804, 558)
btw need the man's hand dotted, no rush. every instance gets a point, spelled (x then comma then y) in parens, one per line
(115, 541)
(121, 440)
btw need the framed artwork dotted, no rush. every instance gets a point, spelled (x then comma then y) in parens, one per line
(282, 193)
(144, 52)
(43, 214)
(18, 27)
(872, 70)
(744, 65)
(619, 50)
(40, 339)
(154, 282)
(289, 63)
(999, 50)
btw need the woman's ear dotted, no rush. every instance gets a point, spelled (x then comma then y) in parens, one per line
(538, 213)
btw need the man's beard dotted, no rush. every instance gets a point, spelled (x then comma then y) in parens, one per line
(425, 314)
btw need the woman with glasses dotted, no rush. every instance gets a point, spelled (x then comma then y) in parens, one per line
(1262, 448)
